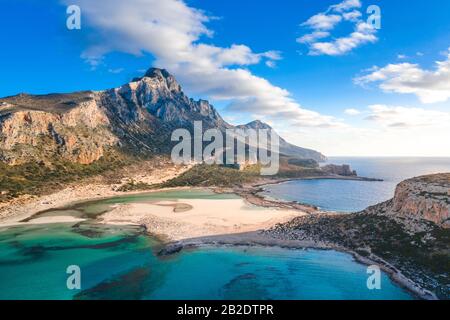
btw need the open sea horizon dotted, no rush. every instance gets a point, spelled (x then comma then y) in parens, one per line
(353, 196)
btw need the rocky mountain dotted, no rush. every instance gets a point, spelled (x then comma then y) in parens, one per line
(74, 127)
(137, 117)
(287, 148)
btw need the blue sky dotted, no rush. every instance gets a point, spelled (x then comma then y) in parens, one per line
(304, 93)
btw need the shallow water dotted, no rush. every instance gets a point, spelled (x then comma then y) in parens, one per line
(91, 209)
(121, 262)
(351, 196)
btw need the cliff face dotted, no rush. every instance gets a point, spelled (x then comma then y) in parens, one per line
(81, 127)
(79, 134)
(426, 197)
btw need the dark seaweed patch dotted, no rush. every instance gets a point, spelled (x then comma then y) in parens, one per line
(244, 285)
(129, 286)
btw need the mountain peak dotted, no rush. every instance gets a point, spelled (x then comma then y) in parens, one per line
(257, 124)
(138, 115)
(286, 148)
(161, 76)
(158, 73)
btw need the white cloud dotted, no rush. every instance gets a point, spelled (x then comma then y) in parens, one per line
(323, 23)
(376, 140)
(429, 85)
(346, 5)
(402, 56)
(354, 15)
(404, 117)
(388, 131)
(271, 64)
(312, 37)
(172, 32)
(352, 112)
(364, 33)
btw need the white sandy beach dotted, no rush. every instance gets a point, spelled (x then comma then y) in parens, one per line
(14, 211)
(191, 218)
(44, 220)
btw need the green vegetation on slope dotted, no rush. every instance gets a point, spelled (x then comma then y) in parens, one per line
(227, 176)
(39, 178)
(214, 175)
(306, 163)
(135, 186)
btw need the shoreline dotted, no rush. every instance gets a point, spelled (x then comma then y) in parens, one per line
(327, 177)
(24, 207)
(249, 237)
(257, 239)
(189, 218)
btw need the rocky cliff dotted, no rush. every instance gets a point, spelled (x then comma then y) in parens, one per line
(426, 197)
(137, 117)
(79, 134)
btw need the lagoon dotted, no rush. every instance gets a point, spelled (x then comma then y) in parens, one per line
(121, 262)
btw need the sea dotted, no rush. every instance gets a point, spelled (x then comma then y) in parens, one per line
(122, 262)
(354, 196)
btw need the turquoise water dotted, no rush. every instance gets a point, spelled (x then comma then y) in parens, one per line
(34, 259)
(121, 262)
(351, 196)
(91, 209)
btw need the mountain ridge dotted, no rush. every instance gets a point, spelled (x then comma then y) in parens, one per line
(136, 117)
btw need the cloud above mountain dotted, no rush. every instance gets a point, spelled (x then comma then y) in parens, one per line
(180, 40)
(429, 86)
(174, 34)
(322, 24)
